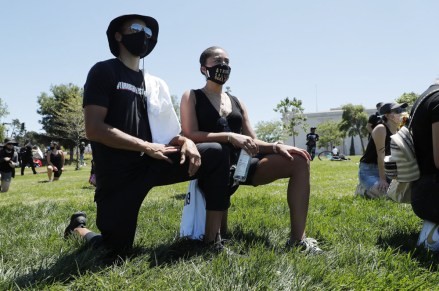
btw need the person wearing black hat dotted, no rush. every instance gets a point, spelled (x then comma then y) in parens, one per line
(374, 119)
(311, 142)
(127, 163)
(8, 163)
(373, 182)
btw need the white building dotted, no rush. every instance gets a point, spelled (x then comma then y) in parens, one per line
(314, 119)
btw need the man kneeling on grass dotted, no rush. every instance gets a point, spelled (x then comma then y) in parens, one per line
(117, 124)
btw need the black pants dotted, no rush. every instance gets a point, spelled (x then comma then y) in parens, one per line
(425, 198)
(119, 199)
(24, 163)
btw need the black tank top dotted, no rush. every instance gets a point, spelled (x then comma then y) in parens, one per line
(370, 155)
(55, 159)
(209, 120)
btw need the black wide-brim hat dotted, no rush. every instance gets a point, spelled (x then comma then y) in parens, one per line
(9, 141)
(116, 23)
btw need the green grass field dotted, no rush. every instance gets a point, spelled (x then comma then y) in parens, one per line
(368, 244)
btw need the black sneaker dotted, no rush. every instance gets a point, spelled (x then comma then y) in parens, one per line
(78, 219)
(308, 245)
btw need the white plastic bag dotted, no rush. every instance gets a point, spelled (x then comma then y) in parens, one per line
(193, 218)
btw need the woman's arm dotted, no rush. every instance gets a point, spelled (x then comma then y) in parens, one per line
(379, 137)
(63, 159)
(48, 158)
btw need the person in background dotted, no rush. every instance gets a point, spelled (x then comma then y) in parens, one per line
(372, 177)
(55, 161)
(335, 152)
(81, 153)
(127, 162)
(374, 119)
(425, 191)
(311, 142)
(211, 115)
(8, 163)
(27, 157)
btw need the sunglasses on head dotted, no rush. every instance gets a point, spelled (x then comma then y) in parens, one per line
(135, 27)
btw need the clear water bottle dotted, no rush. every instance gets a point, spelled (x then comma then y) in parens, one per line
(242, 166)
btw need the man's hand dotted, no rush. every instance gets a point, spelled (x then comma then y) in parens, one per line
(189, 150)
(160, 151)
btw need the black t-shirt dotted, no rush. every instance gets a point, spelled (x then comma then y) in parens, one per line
(312, 138)
(370, 155)
(426, 114)
(112, 85)
(5, 166)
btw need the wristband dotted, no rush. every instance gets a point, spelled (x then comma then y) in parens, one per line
(275, 146)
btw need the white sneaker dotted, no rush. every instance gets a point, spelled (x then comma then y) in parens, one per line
(429, 236)
(308, 245)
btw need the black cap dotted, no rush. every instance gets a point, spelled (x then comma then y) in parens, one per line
(116, 23)
(387, 107)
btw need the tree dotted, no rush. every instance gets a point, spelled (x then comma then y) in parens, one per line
(330, 134)
(18, 130)
(292, 116)
(70, 122)
(62, 116)
(3, 113)
(408, 98)
(354, 120)
(269, 131)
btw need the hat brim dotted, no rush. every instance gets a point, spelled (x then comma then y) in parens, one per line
(11, 142)
(116, 23)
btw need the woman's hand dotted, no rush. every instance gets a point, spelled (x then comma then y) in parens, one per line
(287, 151)
(244, 142)
(189, 150)
(383, 185)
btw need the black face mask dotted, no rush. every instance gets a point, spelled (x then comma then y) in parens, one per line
(52, 148)
(218, 73)
(136, 43)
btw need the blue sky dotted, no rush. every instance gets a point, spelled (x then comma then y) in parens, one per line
(326, 53)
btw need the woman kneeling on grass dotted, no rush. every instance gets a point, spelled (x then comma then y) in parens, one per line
(373, 180)
(211, 115)
(55, 161)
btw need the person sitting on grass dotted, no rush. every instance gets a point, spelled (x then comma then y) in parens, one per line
(55, 161)
(211, 115)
